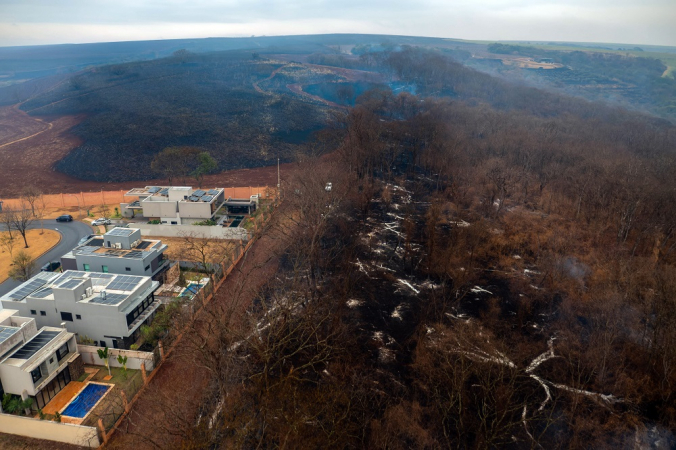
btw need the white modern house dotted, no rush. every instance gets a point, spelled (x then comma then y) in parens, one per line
(121, 251)
(104, 307)
(174, 205)
(34, 363)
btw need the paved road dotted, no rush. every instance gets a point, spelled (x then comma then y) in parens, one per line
(71, 233)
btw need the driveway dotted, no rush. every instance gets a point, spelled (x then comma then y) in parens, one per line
(71, 233)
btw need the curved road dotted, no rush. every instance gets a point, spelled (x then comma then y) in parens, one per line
(71, 233)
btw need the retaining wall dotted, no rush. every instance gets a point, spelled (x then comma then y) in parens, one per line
(134, 357)
(49, 430)
(203, 231)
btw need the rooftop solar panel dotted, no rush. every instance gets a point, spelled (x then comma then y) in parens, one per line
(42, 293)
(7, 332)
(70, 284)
(95, 243)
(154, 189)
(119, 231)
(108, 299)
(143, 244)
(34, 345)
(27, 289)
(86, 250)
(125, 283)
(198, 193)
(164, 191)
(133, 254)
(212, 192)
(102, 275)
(207, 198)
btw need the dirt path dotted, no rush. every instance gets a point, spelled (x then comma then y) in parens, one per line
(272, 75)
(298, 89)
(49, 127)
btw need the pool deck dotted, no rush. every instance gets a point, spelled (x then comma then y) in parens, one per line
(67, 394)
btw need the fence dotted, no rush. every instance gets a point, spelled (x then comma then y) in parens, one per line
(116, 402)
(88, 199)
(134, 357)
(82, 199)
(173, 337)
(52, 431)
(197, 230)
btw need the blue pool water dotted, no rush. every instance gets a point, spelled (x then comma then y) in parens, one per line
(85, 400)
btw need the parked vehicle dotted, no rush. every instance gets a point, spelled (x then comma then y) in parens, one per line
(101, 221)
(65, 218)
(51, 266)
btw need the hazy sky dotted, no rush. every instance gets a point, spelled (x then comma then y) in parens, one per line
(25, 22)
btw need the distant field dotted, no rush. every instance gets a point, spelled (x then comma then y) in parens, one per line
(669, 59)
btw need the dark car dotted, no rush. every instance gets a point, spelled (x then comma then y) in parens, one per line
(51, 266)
(65, 218)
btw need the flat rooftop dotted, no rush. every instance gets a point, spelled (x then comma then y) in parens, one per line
(107, 288)
(94, 247)
(159, 193)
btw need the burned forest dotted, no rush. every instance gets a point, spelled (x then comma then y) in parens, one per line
(481, 265)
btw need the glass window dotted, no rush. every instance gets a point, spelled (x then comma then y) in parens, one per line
(42, 313)
(34, 312)
(128, 269)
(147, 268)
(104, 269)
(67, 316)
(36, 374)
(85, 267)
(78, 317)
(103, 343)
(62, 351)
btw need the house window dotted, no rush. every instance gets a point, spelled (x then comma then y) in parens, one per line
(128, 269)
(85, 267)
(173, 222)
(51, 360)
(78, 317)
(104, 269)
(34, 312)
(42, 313)
(36, 374)
(62, 351)
(147, 268)
(67, 316)
(103, 344)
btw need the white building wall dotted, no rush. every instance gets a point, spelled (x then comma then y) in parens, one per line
(15, 380)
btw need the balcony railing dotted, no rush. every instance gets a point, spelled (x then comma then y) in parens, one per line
(144, 315)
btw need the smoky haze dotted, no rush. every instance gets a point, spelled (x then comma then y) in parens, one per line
(77, 21)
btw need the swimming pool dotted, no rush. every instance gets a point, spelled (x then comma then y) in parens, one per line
(85, 400)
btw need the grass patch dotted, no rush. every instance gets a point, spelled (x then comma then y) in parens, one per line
(39, 243)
